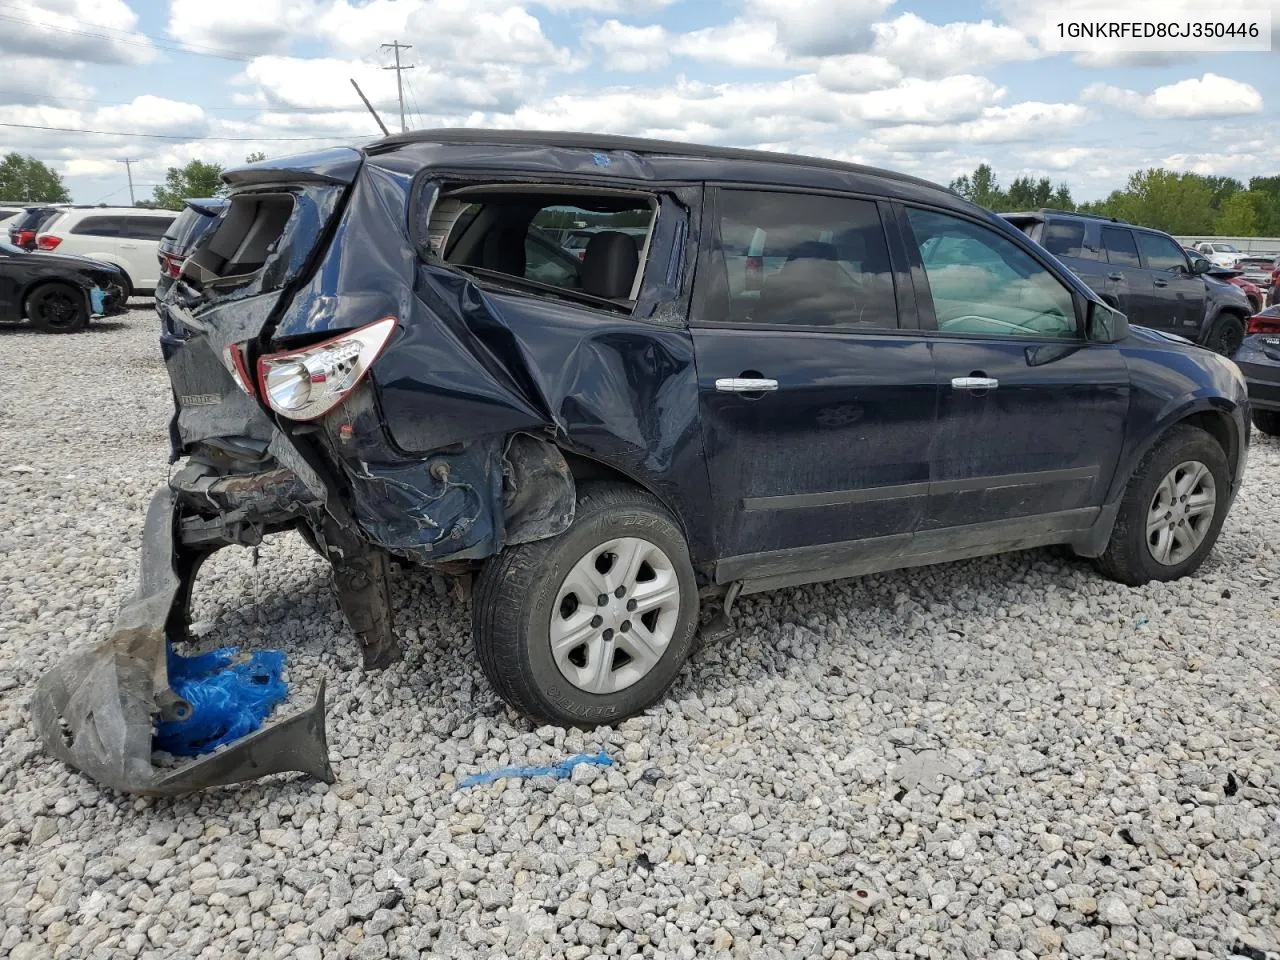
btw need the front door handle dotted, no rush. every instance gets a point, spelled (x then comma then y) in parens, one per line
(746, 385)
(1160, 283)
(974, 383)
(1115, 276)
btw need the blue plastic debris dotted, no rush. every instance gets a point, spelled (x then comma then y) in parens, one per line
(1140, 621)
(97, 300)
(560, 771)
(230, 696)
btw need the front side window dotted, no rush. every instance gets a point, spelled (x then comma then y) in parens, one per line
(985, 284)
(1161, 253)
(804, 260)
(1119, 247)
(144, 228)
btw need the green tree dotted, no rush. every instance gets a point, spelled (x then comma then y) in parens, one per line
(27, 179)
(1061, 199)
(256, 157)
(196, 179)
(981, 187)
(1178, 203)
(1237, 217)
(1026, 194)
(1266, 194)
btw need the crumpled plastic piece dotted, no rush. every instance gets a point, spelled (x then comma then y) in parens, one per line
(924, 770)
(96, 709)
(230, 695)
(560, 771)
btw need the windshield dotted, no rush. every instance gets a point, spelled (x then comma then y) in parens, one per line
(10, 248)
(1225, 248)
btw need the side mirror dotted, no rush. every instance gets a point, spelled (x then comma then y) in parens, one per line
(1200, 266)
(1104, 324)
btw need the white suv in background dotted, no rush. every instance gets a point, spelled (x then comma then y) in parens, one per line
(127, 237)
(1220, 254)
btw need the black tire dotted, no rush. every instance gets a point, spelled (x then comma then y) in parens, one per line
(127, 284)
(517, 590)
(1226, 334)
(1128, 558)
(1267, 421)
(57, 308)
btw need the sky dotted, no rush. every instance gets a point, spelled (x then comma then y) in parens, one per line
(927, 87)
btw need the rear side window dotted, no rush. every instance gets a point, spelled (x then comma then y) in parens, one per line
(1161, 253)
(144, 228)
(590, 244)
(1119, 247)
(1063, 238)
(98, 227)
(246, 237)
(796, 259)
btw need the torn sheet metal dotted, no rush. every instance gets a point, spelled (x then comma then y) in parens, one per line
(96, 710)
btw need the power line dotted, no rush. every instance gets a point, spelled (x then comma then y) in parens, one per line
(397, 46)
(129, 103)
(170, 136)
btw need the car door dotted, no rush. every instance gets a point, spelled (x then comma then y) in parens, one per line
(1179, 294)
(1128, 283)
(817, 405)
(11, 278)
(1031, 414)
(138, 245)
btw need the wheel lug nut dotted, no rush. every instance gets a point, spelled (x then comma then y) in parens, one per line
(620, 592)
(608, 635)
(602, 600)
(626, 625)
(631, 605)
(597, 620)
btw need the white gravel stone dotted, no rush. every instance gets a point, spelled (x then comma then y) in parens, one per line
(1090, 747)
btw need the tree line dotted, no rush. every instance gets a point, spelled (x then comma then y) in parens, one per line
(1179, 203)
(28, 180)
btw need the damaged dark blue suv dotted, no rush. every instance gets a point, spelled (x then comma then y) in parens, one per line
(762, 370)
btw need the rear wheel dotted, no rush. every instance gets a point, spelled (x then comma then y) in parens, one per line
(57, 308)
(1267, 421)
(1172, 510)
(1226, 334)
(594, 625)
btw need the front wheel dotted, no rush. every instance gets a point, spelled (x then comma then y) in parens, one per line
(594, 625)
(58, 308)
(1267, 421)
(1172, 510)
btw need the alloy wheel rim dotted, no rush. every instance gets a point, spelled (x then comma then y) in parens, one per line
(57, 310)
(1181, 513)
(615, 615)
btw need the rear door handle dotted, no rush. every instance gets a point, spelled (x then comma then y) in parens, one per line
(1115, 276)
(1160, 282)
(746, 385)
(974, 383)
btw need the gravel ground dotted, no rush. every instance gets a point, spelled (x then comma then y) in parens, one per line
(1008, 758)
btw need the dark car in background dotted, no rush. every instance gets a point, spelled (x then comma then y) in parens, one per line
(1145, 274)
(1259, 360)
(1257, 296)
(23, 227)
(57, 294)
(187, 229)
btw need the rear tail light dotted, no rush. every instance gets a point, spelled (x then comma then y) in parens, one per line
(1264, 324)
(24, 238)
(47, 241)
(308, 383)
(170, 265)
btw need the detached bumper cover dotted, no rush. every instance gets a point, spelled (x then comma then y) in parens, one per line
(96, 710)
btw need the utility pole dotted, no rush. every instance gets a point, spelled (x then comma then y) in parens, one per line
(128, 165)
(397, 46)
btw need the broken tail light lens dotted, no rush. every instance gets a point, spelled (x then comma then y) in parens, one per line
(308, 383)
(1264, 323)
(233, 360)
(47, 241)
(170, 264)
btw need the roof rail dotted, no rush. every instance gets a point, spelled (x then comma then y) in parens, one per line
(1079, 213)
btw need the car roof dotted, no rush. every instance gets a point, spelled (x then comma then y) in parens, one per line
(120, 211)
(659, 160)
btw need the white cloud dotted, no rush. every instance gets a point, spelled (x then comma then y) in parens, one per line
(821, 27)
(1019, 122)
(740, 43)
(90, 31)
(1208, 96)
(929, 101)
(148, 114)
(244, 26)
(626, 48)
(30, 80)
(856, 72)
(629, 7)
(938, 50)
